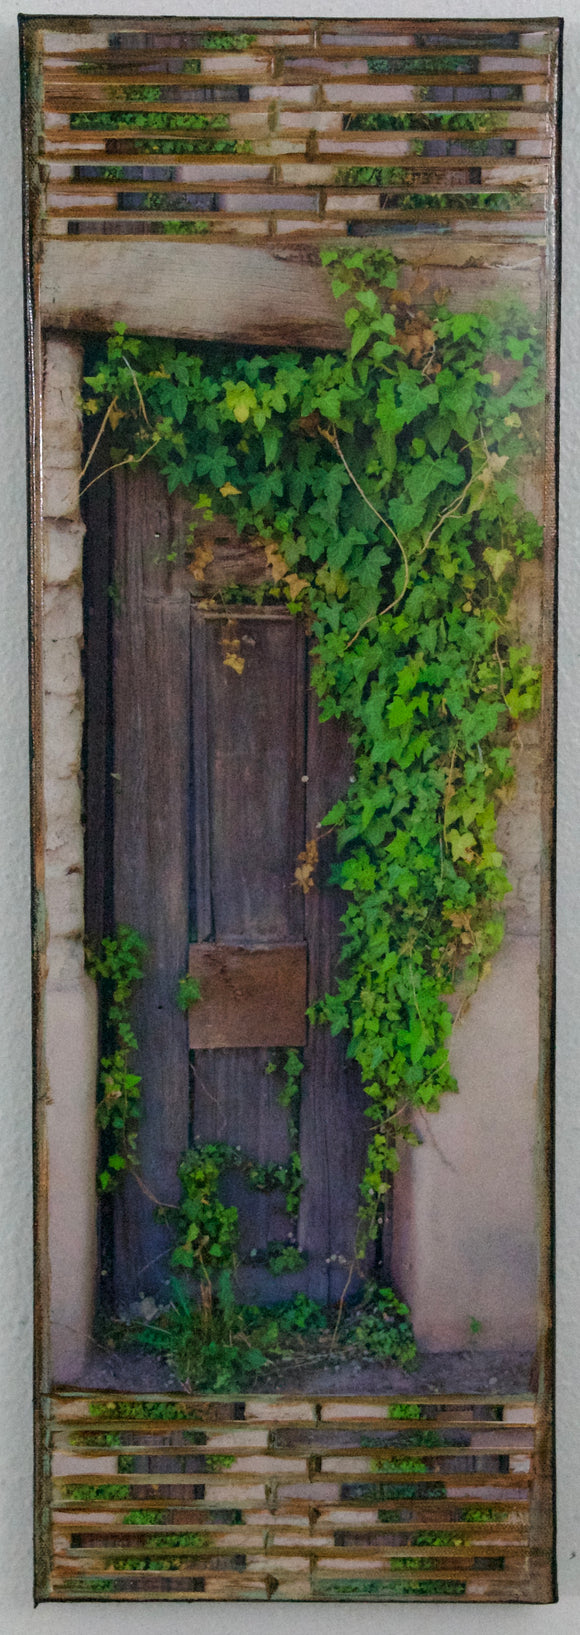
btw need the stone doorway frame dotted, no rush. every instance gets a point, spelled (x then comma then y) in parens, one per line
(287, 296)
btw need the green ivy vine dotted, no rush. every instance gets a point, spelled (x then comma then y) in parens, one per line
(381, 482)
(118, 965)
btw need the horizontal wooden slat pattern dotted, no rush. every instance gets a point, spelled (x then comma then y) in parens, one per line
(242, 130)
(291, 1498)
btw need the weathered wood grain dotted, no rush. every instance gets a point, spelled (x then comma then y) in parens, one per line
(245, 294)
(151, 780)
(333, 1132)
(249, 757)
(255, 737)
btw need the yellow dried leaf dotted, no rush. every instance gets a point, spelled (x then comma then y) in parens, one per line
(495, 377)
(278, 567)
(231, 646)
(304, 871)
(203, 555)
(295, 585)
(115, 415)
(234, 661)
(228, 488)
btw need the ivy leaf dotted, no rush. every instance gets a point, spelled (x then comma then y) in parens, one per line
(180, 403)
(271, 437)
(498, 561)
(360, 337)
(462, 845)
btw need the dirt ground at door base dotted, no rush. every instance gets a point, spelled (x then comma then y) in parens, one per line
(442, 1372)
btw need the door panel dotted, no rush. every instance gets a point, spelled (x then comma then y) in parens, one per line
(151, 816)
(253, 743)
(249, 758)
(219, 779)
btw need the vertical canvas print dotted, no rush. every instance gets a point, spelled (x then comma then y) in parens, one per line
(292, 322)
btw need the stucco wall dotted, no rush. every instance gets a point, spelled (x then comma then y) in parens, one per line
(467, 1226)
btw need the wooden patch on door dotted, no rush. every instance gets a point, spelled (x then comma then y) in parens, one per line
(253, 997)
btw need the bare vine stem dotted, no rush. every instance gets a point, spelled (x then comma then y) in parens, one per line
(130, 461)
(93, 450)
(332, 438)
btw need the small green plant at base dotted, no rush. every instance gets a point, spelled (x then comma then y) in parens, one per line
(95, 1439)
(284, 1257)
(429, 1586)
(186, 229)
(484, 1513)
(188, 993)
(227, 42)
(144, 1518)
(434, 119)
(135, 93)
(438, 1540)
(475, 1326)
(215, 1462)
(145, 1564)
(302, 1315)
(405, 1410)
(137, 1409)
(179, 1541)
(151, 120)
(383, 1326)
(95, 1492)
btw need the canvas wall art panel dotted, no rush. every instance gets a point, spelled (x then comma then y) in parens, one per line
(292, 329)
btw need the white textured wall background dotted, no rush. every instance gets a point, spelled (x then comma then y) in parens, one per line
(17, 1616)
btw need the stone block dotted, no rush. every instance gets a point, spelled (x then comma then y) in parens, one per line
(62, 735)
(64, 905)
(63, 363)
(62, 552)
(60, 492)
(63, 612)
(61, 669)
(65, 964)
(67, 856)
(62, 806)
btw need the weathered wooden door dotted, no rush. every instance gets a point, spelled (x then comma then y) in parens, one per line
(219, 778)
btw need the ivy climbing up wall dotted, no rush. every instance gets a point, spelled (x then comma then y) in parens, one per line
(380, 483)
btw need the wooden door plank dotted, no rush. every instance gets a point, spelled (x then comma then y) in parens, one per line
(256, 766)
(152, 739)
(236, 1101)
(200, 888)
(255, 816)
(333, 1127)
